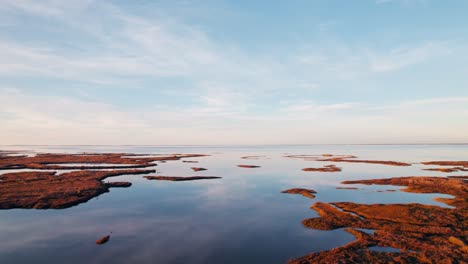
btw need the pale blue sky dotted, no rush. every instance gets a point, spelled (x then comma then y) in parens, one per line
(233, 72)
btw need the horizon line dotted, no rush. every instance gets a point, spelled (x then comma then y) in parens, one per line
(234, 145)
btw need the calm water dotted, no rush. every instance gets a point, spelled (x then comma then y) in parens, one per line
(241, 218)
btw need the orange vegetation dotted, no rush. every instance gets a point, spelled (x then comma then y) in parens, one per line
(44, 161)
(453, 169)
(447, 163)
(423, 233)
(346, 158)
(304, 192)
(382, 162)
(44, 190)
(327, 168)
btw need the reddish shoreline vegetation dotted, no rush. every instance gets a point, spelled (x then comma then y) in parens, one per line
(326, 168)
(381, 162)
(345, 158)
(304, 192)
(447, 163)
(452, 169)
(421, 233)
(457, 166)
(180, 178)
(47, 190)
(49, 161)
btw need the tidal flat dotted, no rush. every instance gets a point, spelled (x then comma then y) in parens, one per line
(120, 204)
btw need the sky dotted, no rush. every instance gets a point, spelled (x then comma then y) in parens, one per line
(207, 72)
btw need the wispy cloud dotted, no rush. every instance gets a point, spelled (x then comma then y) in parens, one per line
(57, 120)
(400, 58)
(350, 63)
(310, 107)
(443, 100)
(201, 88)
(43, 8)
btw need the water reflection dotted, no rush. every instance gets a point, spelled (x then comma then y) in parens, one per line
(241, 218)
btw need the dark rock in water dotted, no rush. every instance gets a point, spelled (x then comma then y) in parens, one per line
(248, 166)
(389, 190)
(119, 184)
(347, 188)
(103, 240)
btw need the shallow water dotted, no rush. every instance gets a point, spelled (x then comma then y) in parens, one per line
(241, 218)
